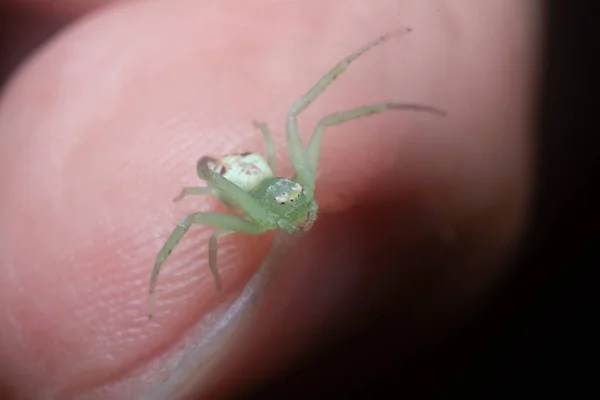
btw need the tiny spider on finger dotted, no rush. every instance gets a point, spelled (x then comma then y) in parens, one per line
(246, 183)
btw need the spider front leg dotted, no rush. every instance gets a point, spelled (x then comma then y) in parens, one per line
(226, 223)
(225, 189)
(314, 146)
(304, 172)
(258, 221)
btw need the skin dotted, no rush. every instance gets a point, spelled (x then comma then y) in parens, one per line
(101, 127)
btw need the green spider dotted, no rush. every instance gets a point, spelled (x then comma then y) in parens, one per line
(246, 184)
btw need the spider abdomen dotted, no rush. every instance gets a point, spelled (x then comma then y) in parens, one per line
(284, 198)
(246, 170)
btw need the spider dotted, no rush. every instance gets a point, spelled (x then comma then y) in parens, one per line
(247, 185)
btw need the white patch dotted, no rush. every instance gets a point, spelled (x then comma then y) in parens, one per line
(246, 171)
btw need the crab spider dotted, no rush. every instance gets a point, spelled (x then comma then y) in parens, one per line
(246, 183)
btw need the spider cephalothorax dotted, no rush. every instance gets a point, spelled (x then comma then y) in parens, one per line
(247, 185)
(287, 201)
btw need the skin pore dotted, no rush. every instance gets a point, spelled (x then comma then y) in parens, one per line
(101, 127)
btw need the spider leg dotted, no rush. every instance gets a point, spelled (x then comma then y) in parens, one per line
(296, 150)
(213, 246)
(192, 191)
(224, 222)
(271, 157)
(314, 146)
(235, 195)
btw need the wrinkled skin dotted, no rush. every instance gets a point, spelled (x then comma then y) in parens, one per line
(101, 127)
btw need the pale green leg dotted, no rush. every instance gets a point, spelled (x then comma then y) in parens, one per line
(213, 246)
(271, 157)
(304, 173)
(314, 146)
(193, 191)
(235, 195)
(224, 222)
